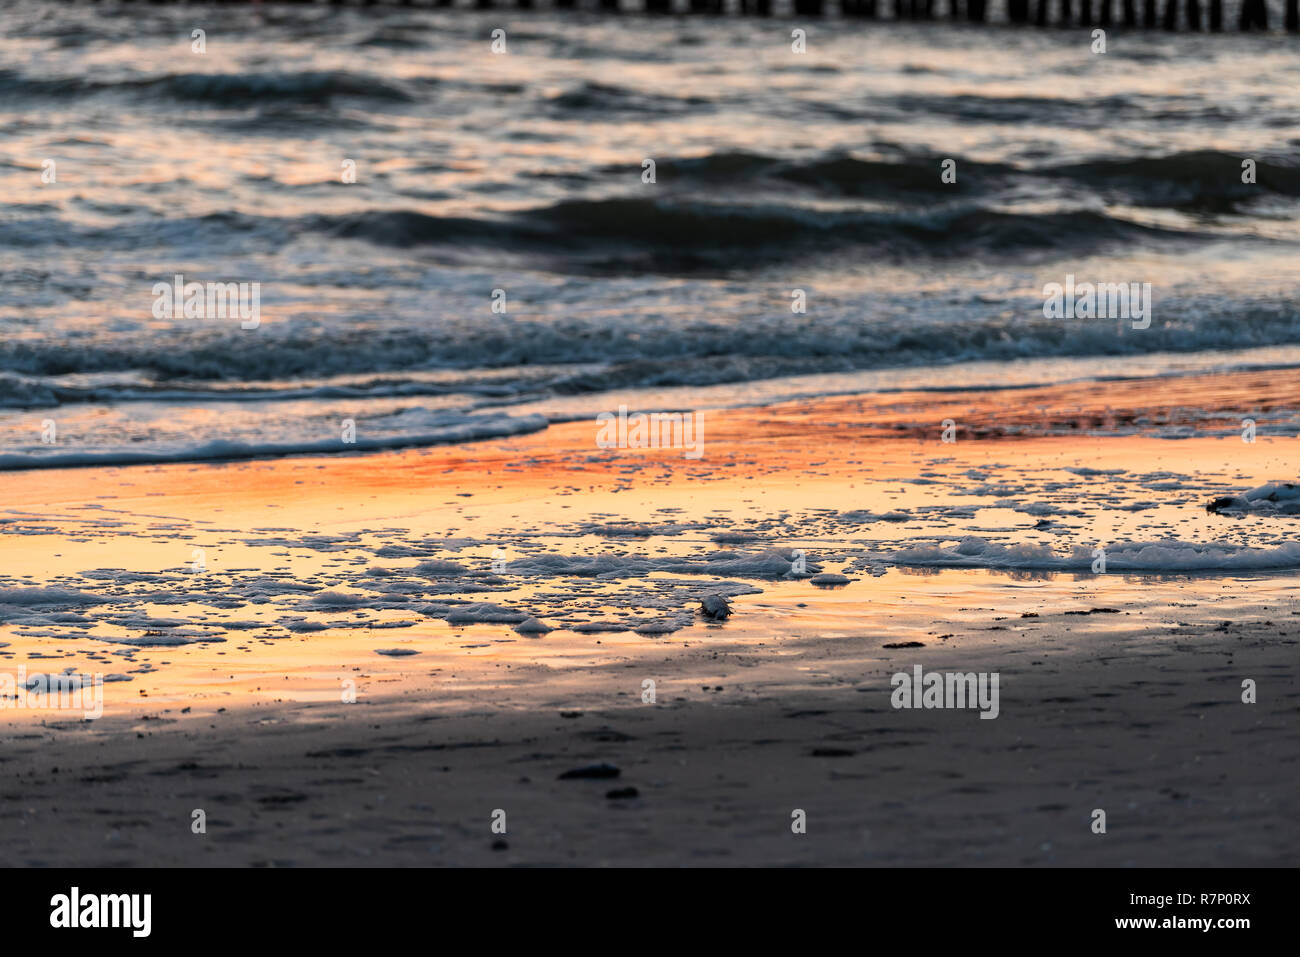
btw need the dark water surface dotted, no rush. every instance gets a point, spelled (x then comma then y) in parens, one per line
(523, 172)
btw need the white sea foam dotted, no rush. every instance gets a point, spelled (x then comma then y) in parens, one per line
(1273, 498)
(1168, 556)
(448, 429)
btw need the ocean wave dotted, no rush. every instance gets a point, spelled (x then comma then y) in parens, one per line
(657, 234)
(447, 429)
(605, 98)
(688, 235)
(509, 359)
(1099, 113)
(1206, 180)
(735, 210)
(833, 173)
(1199, 179)
(221, 89)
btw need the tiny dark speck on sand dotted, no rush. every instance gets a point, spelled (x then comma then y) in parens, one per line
(904, 644)
(591, 771)
(619, 794)
(832, 753)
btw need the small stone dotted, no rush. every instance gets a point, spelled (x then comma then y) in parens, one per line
(591, 771)
(715, 607)
(829, 578)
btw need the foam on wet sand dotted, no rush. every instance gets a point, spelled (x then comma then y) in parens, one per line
(240, 599)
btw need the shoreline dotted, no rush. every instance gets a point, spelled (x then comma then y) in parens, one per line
(1119, 691)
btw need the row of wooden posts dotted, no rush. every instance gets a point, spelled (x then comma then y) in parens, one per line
(1251, 15)
(1134, 14)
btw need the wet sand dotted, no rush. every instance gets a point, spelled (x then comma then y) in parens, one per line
(1146, 726)
(1119, 691)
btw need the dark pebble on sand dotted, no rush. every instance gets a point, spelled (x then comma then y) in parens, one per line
(619, 793)
(500, 844)
(904, 644)
(715, 607)
(832, 753)
(591, 771)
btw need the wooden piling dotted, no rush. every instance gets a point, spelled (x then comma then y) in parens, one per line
(1171, 14)
(1085, 13)
(1254, 15)
(1149, 14)
(1194, 15)
(1130, 13)
(1293, 15)
(858, 8)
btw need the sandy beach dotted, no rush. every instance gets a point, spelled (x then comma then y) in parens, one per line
(1119, 691)
(470, 435)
